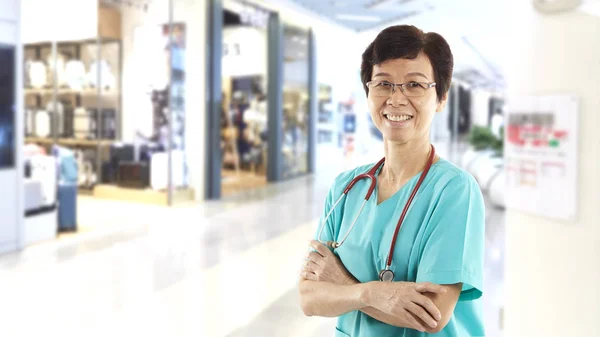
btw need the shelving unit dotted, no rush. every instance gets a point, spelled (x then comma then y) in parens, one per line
(78, 91)
(69, 142)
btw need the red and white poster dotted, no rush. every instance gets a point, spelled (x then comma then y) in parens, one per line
(541, 155)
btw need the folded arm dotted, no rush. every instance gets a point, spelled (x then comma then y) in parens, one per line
(328, 299)
(444, 303)
(328, 289)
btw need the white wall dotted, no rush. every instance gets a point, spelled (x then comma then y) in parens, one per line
(252, 57)
(135, 103)
(9, 11)
(45, 21)
(480, 107)
(11, 180)
(553, 268)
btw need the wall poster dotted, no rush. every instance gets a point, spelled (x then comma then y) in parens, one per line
(541, 155)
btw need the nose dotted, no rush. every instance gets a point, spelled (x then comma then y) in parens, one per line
(397, 97)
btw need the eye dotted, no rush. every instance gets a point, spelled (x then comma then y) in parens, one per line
(384, 84)
(412, 85)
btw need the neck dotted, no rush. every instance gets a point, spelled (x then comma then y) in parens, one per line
(403, 161)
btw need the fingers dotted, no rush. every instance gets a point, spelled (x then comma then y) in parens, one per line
(315, 258)
(427, 304)
(414, 322)
(320, 248)
(309, 266)
(428, 287)
(422, 314)
(308, 275)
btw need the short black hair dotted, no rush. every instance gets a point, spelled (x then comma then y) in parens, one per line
(407, 42)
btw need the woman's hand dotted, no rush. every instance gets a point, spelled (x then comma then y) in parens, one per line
(323, 266)
(406, 301)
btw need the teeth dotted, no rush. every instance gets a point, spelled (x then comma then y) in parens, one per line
(398, 118)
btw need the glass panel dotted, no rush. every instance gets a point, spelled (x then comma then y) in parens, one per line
(295, 101)
(176, 46)
(244, 110)
(38, 82)
(77, 105)
(132, 94)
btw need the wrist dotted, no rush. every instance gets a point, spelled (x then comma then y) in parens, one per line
(350, 280)
(364, 290)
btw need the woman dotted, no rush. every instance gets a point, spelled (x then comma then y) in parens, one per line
(432, 282)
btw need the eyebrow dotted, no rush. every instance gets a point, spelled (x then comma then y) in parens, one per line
(417, 74)
(409, 74)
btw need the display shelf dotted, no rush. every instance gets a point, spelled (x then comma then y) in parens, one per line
(66, 91)
(148, 196)
(70, 141)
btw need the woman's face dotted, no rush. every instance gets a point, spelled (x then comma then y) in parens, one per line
(402, 119)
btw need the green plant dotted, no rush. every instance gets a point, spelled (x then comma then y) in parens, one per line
(482, 138)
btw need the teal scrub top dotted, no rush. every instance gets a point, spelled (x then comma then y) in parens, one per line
(441, 241)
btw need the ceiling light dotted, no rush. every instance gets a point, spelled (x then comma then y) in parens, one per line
(363, 18)
(339, 3)
(376, 4)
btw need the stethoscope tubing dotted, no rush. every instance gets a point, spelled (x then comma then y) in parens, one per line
(371, 176)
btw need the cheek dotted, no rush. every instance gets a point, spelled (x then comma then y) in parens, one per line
(374, 108)
(425, 110)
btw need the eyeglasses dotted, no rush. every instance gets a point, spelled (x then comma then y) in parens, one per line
(409, 89)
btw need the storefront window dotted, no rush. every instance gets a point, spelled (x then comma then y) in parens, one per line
(244, 87)
(112, 95)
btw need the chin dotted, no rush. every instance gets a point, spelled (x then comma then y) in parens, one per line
(397, 139)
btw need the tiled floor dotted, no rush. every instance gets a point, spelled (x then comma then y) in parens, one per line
(226, 268)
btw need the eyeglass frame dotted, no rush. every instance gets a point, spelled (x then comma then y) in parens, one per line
(423, 85)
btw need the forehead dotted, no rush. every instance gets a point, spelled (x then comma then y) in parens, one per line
(399, 68)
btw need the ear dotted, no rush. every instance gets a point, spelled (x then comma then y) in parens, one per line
(442, 104)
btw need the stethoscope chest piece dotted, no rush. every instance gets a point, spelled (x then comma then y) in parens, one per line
(386, 275)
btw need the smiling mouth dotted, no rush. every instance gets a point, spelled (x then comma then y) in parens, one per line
(397, 118)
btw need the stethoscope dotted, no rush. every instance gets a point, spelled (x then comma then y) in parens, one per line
(385, 274)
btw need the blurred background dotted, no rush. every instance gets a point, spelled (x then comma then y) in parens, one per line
(164, 163)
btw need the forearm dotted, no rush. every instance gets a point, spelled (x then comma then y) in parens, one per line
(328, 299)
(393, 320)
(383, 317)
(445, 303)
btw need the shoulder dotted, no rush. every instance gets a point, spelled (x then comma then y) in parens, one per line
(446, 175)
(344, 178)
(456, 199)
(455, 188)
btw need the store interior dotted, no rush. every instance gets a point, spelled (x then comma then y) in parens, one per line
(244, 119)
(97, 122)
